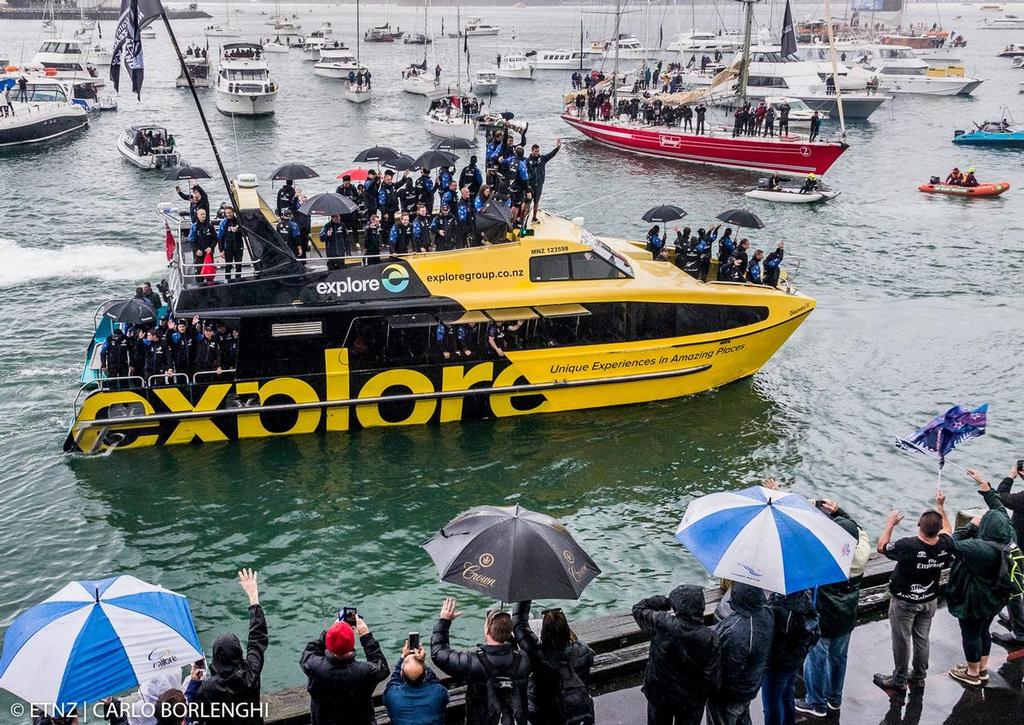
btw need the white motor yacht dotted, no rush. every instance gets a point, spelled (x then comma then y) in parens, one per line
(311, 48)
(198, 69)
(220, 31)
(46, 112)
(485, 82)
(899, 70)
(514, 64)
(272, 46)
(244, 85)
(1004, 22)
(287, 27)
(336, 63)
(560, 59)
(476, 26)
(626, 47)
(697, 43)
(147, 147)
(66, 60)
(148, 32)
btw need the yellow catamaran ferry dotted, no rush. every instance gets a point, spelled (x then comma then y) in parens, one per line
(576, 322)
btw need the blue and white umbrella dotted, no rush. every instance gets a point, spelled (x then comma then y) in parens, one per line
(770, 539)
(96, 638)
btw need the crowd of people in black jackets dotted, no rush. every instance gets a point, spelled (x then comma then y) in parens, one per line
(693, 253)
(699, 661)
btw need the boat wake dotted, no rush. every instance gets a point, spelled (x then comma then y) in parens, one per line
(76, 261)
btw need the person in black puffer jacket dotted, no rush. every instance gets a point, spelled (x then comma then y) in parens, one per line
(493, 659)
(796, 631)
(746, 639)
(235, 679)
(561, 669)
(683, 666)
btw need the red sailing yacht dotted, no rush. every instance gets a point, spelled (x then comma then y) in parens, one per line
(788, 154)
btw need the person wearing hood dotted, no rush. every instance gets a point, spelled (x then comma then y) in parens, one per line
(560, 664)
(341, 687)
(470, 176)
(235, 675)
(414, 695)
(683, 667)
(825, 666)
(971, 594)
(1014, 502)
(143, 710)
(495, 659)
(796, 631)
(745, 638)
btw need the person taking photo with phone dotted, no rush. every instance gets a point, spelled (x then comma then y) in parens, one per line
(414, 695)
(340, 686)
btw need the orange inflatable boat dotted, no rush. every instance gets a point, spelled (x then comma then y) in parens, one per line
(992, 189)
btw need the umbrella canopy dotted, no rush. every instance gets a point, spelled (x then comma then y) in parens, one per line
(379, 154)
(664, 213)
(328, 204)
(293, 171)
(494, 221)
(741, 218)
(434, 158)
(454, 144)
(134, 311)
(511, 554)
(770, 539)
(402, 162)
(186, 172)
(356, 174)
(97, 638)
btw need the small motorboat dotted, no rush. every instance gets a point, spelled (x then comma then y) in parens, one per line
(147, 147)
(485, 82)
(792, 195)
(935, 186)
(1011, 51)
(994, 134)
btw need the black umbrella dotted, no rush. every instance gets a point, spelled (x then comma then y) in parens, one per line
(454, 144)
(379, 154)
(664, 213)
(134, 311)
(494, 221)
(402, 162)
(293, 171)
(511, 554)
(186, 172)
(741, 218)
(328, 204)
(435, 158)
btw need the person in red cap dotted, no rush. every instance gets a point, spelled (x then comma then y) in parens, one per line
(340, 686)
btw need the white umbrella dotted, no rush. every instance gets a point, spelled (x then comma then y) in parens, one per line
(770, 539)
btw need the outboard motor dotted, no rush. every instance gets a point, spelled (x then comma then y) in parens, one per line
(935, 180)
(762, 183)
(958, 132)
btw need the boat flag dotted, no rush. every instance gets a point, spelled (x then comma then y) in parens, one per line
(135, 15)
(945, 432)
(169, 244)
(788, 32)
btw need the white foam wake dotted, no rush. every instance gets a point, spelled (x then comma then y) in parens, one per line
(76, 261)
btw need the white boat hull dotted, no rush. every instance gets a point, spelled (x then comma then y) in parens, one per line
(181, 82)
(523, 74)
(334, 70)
(225, 33)
(42, 123)
(237, 104)
(484, 89)
(924, 86)
(421, 86)
(791, 196)
(540, 64)
(361, 95)
(478, 33)
(450, 129)
(274, 48)
(148, 162)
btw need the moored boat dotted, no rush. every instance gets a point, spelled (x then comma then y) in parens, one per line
(582, 322)
(993, 134)
(244, 86)
(47, 113)
(485, 82)
(147, 147)
(198, 70)
(786, 195)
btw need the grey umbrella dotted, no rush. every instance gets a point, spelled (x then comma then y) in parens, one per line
(434, 158)
(402, 162)
(134, 311)
(293, 171)
(328, 204)
(377, 153)
(741, 218)
(454, 144)
(186, 172)
(511, 554)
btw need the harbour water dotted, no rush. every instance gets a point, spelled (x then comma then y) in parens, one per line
(919, 307)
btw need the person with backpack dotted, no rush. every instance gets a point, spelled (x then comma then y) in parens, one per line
(496, 675)
(914, 590)
(560, 669)
(683, 666)
(979, 582)
(1015, 502)
(796, 631)
(746, 639)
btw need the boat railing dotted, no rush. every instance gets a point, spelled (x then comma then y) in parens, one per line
(163, 380)
(123, 382)
(202, 375)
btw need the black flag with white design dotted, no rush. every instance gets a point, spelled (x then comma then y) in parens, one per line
(135, 15)
(788, 33)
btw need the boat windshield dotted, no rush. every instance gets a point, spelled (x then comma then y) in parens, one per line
(605, 252)
(773, 57)
(44, 93)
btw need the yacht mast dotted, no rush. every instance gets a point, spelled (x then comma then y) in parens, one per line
(615, 65)
(357, 38)
(745, 60)
(426, 11)
(458, 54)
(835, 68)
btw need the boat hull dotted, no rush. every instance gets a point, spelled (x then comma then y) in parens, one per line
(443, 129)
(753, 154)
(485, 89)
(856, 109)
(991, 140)
(791, 197)
(236, 104)
(422, 87)
(148, 162)
(20, 130)
(522, 74)
(340, 398)
(969, 192)
(334, 70)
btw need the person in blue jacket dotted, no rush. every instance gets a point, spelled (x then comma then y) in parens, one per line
(424, 186)
(656, 242)
(754, 268)
(414, 695)
(421, 229)
(465, 221)
(291, 233)
(726, 246)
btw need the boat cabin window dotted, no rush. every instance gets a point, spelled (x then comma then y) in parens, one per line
(549, 268)
(579, 265)
(767, 81)
(45, 93)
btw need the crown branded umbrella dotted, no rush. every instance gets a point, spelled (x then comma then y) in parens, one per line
(328, 204)
(741, 218)
(96, 638)
(770, 539)
(380, 154)
(665, 213)
(511, 554)
(293, 171)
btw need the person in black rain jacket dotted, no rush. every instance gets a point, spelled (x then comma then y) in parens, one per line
(746, 639)
(285, 197)
(556, 697)
(334, 236)
(796, 631)
(683, 665)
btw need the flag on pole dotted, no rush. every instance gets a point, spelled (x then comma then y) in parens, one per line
(788, 32)
(945, 432)
(135, 15)
(169, 243)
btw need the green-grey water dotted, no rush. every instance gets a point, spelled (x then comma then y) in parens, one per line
(919, 307)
